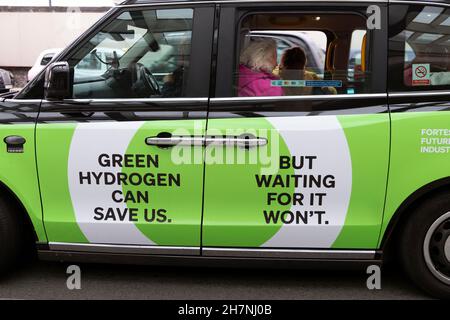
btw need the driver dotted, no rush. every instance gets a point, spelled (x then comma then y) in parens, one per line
(174, 82)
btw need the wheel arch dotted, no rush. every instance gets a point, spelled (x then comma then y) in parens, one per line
(412, 201)
(25, 219)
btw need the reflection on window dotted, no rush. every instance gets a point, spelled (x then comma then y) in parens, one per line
(312, 42)
(290, 55)
(428, 15)
(426, 38)
(446, 22)
(427, 48)
(140, 54)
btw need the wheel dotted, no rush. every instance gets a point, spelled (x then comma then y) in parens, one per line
(425, 246)
(11, 239)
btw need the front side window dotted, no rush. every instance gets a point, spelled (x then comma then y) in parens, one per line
(424, 44)
(302, 54)
(141, 54)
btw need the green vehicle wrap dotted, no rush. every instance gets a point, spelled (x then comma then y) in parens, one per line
(18, 173)
(274, 195)
(328, 203)
(420, 155)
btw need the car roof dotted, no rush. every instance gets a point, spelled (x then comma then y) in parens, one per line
(138, 2)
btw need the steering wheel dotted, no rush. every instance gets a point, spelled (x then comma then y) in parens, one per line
(147, 79)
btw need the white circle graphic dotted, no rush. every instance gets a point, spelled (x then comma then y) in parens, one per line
(323, 137)
(88, 142)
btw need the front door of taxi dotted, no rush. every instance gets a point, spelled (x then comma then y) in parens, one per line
(111, 166)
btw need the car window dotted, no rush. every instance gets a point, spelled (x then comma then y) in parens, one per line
(140, 54)
(425, 45)
(312, 42)
(410, 55)
(427, 36)
(329, 60)
(355, 68)
(95, 64)
(281, 46)
(172, 54)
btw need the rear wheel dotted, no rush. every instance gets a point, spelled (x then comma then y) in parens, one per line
(11, 235)
(425, 246)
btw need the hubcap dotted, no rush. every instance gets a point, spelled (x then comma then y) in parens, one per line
(436, 248)
(447, 249)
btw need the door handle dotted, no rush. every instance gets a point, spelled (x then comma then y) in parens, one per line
(243, 141)
(175, 141)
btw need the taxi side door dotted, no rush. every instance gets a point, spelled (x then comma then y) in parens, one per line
(109, 170)
(301, 171)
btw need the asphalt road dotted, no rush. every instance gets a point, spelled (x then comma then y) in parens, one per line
(47, 280)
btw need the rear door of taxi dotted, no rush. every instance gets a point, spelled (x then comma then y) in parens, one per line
(305, 170)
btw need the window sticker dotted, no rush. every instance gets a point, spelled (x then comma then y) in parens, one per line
(288, 83)
(306, 83)
(421, 74)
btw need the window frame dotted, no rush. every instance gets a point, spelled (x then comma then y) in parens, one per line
(231, 18)
(201, 46)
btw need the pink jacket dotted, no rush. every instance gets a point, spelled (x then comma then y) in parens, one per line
(256, 84)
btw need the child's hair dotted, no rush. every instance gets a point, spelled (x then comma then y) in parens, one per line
(294, 58)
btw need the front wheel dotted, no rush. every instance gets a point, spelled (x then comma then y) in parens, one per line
(425, 246)
(11, 235)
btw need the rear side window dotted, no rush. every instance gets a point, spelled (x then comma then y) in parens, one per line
(313, 44)
(292, 54)
(420, 48)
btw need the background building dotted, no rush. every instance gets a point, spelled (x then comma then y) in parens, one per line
(26, 31)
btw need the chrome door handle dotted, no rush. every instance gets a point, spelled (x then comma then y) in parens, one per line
(175, 141)
(243, 141)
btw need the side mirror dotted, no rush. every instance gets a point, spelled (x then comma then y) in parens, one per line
(57, 81)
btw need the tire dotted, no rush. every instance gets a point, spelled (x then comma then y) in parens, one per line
(11, 235)
(424, 245)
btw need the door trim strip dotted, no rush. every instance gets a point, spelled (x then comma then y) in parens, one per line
(121, 249)
(126, 100)
(417, 94)
(290, 253)
(217, 252)
(300, 98)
